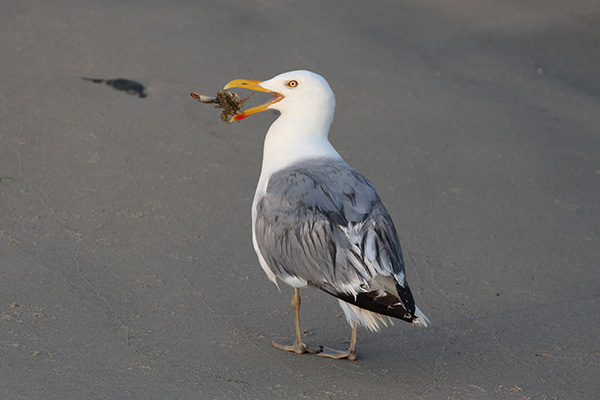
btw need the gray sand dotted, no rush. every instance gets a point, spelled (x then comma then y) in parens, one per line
(127, 270)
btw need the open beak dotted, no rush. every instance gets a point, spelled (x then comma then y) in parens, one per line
(253, 85)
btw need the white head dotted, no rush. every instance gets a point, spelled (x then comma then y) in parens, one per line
(296, 93)
(307, 104)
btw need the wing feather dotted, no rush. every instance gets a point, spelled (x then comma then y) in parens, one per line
(322, 222)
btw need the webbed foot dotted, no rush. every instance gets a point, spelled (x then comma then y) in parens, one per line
(298, 348)
(337, 354)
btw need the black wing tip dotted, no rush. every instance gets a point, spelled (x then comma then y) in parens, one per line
(407, 299)
(381, 303)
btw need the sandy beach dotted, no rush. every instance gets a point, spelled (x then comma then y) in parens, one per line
(126, 263)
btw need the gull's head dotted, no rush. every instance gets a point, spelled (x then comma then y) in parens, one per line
(301, 93)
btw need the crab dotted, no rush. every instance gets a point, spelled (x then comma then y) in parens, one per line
(230, 102)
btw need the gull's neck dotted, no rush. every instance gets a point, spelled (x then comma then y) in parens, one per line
(293, 138)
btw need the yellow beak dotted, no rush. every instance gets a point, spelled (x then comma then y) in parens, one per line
(253, 85)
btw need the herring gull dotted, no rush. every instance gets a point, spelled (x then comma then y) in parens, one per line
(316, 221)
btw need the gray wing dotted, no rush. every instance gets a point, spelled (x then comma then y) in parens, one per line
(323, 222)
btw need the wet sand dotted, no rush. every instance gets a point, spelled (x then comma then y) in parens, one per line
(127, 269)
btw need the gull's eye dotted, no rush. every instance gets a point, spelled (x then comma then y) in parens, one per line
(292, 84)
